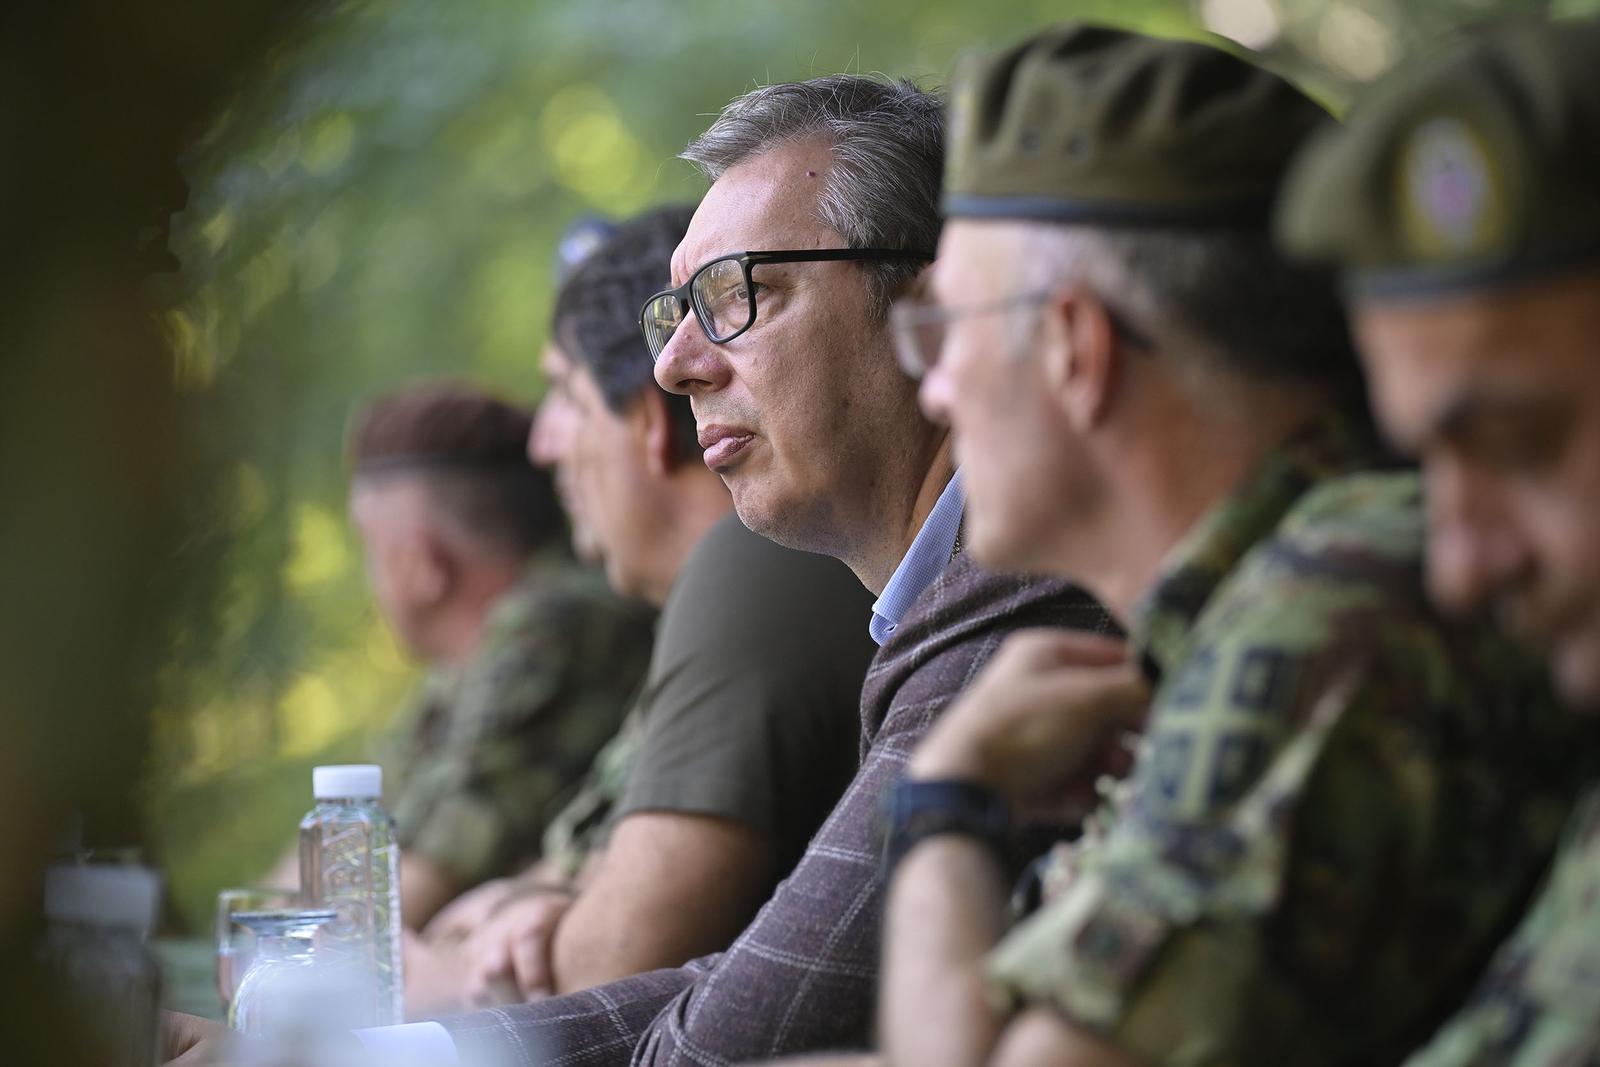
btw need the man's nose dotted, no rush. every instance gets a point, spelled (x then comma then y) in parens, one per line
(547, 434)
(934, 395)
(690, 363)
(1473, 553)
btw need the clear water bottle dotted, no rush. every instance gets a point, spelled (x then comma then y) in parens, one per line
(99, 918)
(349, 862)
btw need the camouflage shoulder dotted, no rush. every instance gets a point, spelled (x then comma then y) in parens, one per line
(565, 596)
(1373, 515)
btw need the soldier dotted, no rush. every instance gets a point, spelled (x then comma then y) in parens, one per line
(1308, 853)
(532, 659)
(1461, 204)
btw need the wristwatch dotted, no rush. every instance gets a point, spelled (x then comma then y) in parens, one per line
(915, 810)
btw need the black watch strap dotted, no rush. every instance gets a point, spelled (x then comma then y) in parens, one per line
(916, 810)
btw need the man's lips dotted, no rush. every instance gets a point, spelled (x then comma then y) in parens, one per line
(723, 443)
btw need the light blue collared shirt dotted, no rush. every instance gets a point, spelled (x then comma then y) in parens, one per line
(928, 555)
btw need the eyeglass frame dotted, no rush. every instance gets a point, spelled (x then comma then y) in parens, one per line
(747, 260)
(909, 308)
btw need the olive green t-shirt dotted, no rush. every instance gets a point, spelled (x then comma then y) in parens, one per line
(752, 698)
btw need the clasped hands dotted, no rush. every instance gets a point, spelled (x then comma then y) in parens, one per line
(1040, 723)
(491, 946)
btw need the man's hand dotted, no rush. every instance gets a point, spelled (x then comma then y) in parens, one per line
(435, 976)
(1047, 708)
(468, 912)
(511, 953)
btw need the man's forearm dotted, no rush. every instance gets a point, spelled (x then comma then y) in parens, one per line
(672, 887)
(946, 911)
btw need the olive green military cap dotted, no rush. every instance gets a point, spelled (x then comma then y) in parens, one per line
(1089, 124)
(1476, 167)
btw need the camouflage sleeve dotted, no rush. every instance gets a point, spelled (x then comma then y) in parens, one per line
(1539, 1003)
(549, 687)
(583, 825)
(1310, 855)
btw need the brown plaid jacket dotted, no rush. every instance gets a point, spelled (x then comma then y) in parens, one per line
(803, 976)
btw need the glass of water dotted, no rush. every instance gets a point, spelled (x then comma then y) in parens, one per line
(236, 943)
(283, 986)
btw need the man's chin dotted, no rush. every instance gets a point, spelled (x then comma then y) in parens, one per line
(585, 546)
(786, 522)
(757, 516)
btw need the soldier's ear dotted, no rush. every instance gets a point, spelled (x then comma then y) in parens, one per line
(1078, 346)
(428, 568)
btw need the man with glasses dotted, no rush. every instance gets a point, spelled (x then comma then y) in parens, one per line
(1477, 305)
(1340, 797)
(744, 733)
(803, 412)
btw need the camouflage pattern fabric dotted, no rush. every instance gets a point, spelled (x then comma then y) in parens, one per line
(1539, 1003)
(583, 825)
(1339, 807)
(487, 752)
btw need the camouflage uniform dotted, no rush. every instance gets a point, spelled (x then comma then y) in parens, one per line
(1340, 803)
(1539, 1003)
(582, 826)
(482, 759)
(1470, 175)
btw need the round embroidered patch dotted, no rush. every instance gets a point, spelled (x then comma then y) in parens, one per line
(1451, 204)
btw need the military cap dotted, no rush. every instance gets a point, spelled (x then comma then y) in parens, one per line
(1475, 167)
(1089, 124)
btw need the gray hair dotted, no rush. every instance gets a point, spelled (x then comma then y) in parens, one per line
(888, 150)
(1225, 296)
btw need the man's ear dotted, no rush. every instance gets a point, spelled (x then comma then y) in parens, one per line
(1080, 354)
(653, 428)
(428, 568)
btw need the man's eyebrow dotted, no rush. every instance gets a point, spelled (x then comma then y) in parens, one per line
(1457, 414)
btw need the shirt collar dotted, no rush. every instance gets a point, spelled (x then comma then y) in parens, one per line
(1328, 446)
(928, 555)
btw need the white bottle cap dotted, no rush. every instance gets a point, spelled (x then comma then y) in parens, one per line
(347, 780)
(121, 897)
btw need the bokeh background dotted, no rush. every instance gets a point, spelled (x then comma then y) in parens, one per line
(379, 197)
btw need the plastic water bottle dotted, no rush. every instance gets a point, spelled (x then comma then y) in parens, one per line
(349, 862)
(95, 945)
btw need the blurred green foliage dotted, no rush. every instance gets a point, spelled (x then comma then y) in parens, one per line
(380, 200)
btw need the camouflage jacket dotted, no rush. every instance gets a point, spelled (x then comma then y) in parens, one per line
(582, 826)
(1539, 1003)
(1340, 802)
(485, 754)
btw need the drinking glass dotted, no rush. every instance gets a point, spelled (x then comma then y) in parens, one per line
(282, 981)
(235, 943)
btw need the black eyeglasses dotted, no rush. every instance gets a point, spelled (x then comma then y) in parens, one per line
(723, 295)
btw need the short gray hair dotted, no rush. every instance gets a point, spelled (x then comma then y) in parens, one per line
(1226, 296)
(888, 152)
